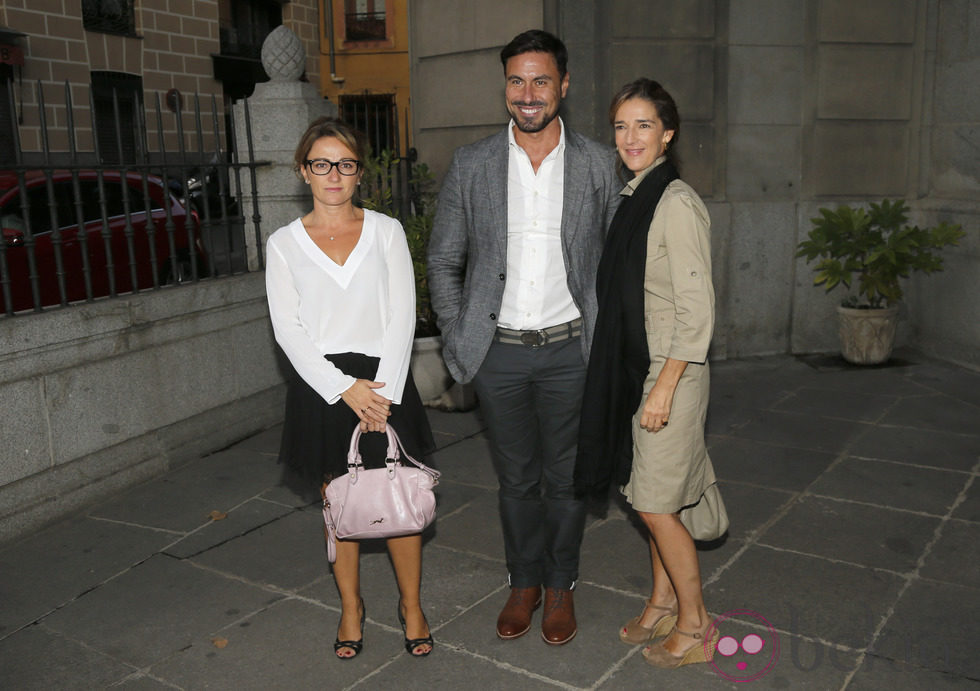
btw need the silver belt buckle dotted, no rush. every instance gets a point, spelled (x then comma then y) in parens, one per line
(534, 338)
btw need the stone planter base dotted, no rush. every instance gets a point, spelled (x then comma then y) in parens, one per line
(428, 369)
(867, 335)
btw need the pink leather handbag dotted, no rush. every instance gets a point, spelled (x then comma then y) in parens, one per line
(384, 502)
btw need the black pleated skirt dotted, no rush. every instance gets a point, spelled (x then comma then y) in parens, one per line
(316, 435)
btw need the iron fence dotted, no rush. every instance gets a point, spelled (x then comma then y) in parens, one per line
(77, 228)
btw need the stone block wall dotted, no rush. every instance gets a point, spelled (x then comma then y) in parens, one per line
(99, 396)
(786, 107)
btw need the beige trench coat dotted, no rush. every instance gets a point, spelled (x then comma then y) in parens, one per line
(671, 468)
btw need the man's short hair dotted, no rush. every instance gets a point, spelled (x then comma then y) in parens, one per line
(537, 41)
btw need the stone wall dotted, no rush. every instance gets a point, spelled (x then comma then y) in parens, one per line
(97, 397)
(786, 107)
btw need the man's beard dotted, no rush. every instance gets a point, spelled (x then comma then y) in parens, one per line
(529, 125)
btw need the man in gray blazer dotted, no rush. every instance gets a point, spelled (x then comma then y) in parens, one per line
(516, 242)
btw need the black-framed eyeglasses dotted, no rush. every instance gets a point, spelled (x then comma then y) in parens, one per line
(323, 166)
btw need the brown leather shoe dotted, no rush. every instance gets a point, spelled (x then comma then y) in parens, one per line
(558, 626)
(515, 618)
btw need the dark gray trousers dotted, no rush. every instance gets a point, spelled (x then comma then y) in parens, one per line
(531, 399)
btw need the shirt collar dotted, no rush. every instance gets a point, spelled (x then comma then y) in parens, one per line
(512, 142)
(638, 178)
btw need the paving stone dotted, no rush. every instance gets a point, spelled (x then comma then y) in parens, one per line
(302, 656)
(155, 609)
(451, 496)
(881, 673)
(475, 529)
(918, 447)
(139, 681)
(934, 626)
(952, 381)
(969, 509)
(182, 499)
(936, 412)
(759, 463)
(893, 378)
(448, 428)
(264, 442)
(734, 404)
(635, 673)
(286, 553)
(294, 498)
(784, 661)
(892, 484)
(615, 553)
(807, 596)
(815, 526)
(750, 507)
(56, 565)
(37, 658)
(236, 523)
(452, 668)
(801, 432)
(114, 610)
(956, 556)
(580, 662)
(467, 462)
(866, 407)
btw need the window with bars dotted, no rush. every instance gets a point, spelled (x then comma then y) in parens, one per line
(244, 24)
(365, 20)
(6, 114)
(109, 16)
(375, 116)
(118, 94)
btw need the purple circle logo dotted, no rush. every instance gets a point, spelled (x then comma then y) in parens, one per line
(741, 656)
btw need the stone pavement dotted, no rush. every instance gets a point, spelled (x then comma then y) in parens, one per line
(854, 549)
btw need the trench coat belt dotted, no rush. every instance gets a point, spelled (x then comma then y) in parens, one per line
(539, 337)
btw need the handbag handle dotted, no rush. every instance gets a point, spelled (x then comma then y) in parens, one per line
(396, 450)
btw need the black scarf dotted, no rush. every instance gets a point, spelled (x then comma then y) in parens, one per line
(620, 358)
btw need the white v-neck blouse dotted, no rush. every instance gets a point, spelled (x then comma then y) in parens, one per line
(365, 306)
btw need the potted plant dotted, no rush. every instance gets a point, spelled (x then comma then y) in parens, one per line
(400, 188)
(877, 248)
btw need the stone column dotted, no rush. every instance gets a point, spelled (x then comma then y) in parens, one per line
(280, 111)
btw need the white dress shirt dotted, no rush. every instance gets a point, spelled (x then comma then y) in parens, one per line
(536, 292)
(365, 306)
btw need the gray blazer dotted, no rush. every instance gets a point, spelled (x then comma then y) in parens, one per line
(468, 247)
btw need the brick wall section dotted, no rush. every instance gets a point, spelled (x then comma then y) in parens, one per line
(303, 17)
(176, 39)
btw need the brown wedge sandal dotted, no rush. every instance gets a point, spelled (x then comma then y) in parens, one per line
(658, 656)
(634, 634)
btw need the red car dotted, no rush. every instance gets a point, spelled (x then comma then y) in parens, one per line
(109, 253)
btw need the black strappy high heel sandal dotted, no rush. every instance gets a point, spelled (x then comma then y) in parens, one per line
(356, 646)
(412, 643)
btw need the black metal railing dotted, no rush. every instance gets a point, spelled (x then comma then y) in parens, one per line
(75, 229)
(376, 115)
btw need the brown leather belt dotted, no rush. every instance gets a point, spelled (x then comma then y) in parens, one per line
(539, 337)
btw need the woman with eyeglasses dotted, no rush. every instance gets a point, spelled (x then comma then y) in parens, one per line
(341, 292)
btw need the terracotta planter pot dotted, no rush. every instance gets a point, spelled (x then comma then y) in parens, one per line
(867, 335)
(428, 369)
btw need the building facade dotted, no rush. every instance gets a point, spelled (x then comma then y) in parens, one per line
(365, 68)
(117, 57)
(786, 105)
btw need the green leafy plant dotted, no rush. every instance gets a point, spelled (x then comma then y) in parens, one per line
(413, 202)
(877, 246)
